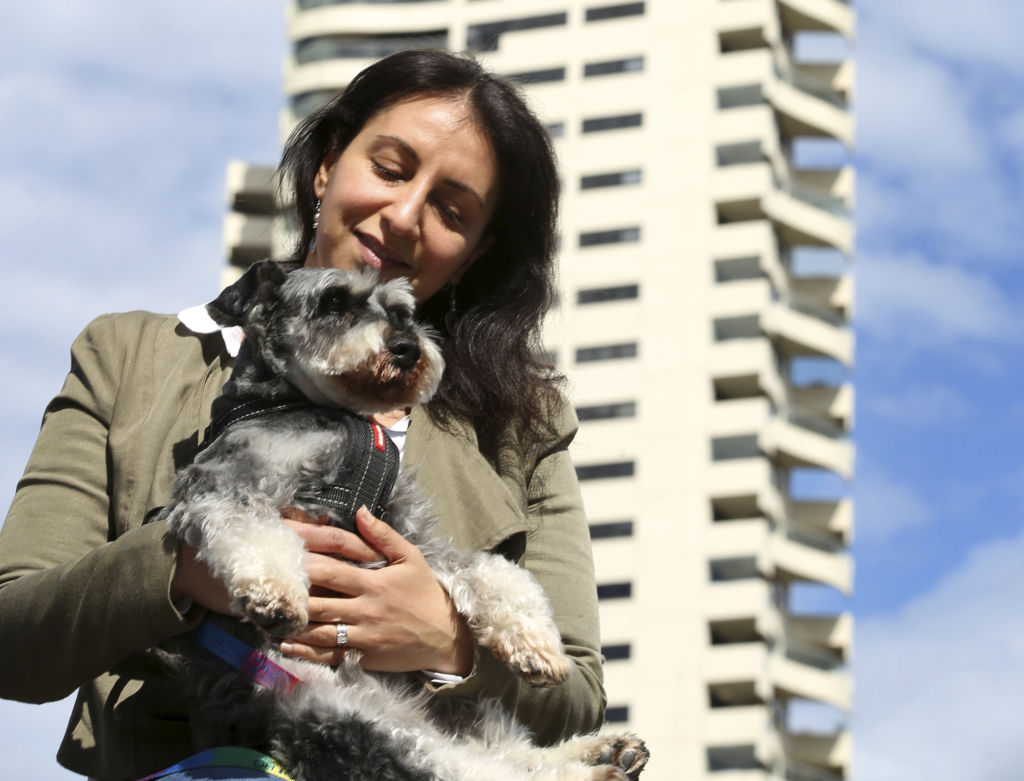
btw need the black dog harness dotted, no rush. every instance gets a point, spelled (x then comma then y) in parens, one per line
(366, 473)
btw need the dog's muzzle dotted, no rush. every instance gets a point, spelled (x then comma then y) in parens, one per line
(404, 350)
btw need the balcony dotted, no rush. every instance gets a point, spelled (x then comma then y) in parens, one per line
(777, 552)
(805, 104)
(746, 674)
(821, 15)
(831, 518)
(247, 238)
(796, 438)
(746, 311)
(743, 24)
(250, 188)
(800, 215)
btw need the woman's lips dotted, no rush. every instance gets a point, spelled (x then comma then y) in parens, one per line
(377, 256)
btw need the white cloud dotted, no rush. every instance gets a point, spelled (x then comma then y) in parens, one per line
(909, 300)
(922, 406)
(936, 682)
(117, 120)
(886, 507)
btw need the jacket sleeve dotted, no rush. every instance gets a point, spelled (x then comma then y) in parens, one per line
(75, 597)
(558, 553)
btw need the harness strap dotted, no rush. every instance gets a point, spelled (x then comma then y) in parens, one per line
(368, 469)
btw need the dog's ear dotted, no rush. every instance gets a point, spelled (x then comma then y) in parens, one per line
(258, 285)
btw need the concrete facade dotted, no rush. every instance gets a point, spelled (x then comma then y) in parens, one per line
(704, 323)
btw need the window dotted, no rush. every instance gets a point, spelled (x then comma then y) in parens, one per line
(748, 327)
(601, 295)
(616, 653)
(602, 471)
(614, 590)
(736, 97)
(611, 529)
(612, 236)
(622, 409)
(614, 11)
(543, 76)
(616, 179)
(729, 448)
(743, 568)
(366, 47)
(598, 124)
(616, 714)
(738, 154)
(725, 758)
(484, 37)
(735, 269)
(556, 129)
(610, 67)
(606, 352)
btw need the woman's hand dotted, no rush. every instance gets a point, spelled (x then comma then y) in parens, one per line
(398, 616)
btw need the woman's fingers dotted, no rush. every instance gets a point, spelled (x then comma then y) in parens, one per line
(389, 543)
(330, 540)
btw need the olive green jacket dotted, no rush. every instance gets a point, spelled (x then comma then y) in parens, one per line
(84, 585)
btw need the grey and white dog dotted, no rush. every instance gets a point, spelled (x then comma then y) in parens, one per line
(344, 342)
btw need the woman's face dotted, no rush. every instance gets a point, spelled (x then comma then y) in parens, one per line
(410, 196)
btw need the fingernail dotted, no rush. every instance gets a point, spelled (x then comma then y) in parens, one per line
(287, 648)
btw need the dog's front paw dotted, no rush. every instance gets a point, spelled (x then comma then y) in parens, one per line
(277, 611)
(625, 752)
(537, 657)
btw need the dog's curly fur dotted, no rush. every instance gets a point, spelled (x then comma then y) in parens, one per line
(339, 339)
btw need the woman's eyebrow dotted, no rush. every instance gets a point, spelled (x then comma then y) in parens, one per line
(461, 186)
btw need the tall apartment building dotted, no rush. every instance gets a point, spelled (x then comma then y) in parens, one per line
(704, 324)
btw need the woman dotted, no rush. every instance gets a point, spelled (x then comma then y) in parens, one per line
(427, 167)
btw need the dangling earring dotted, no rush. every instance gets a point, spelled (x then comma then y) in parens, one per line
(451, 317)
(316, 224)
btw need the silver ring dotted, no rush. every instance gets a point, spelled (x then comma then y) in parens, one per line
(342, 631)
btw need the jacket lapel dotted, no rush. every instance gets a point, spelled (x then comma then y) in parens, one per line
(474, 506)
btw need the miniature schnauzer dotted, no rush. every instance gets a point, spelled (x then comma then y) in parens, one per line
(322, 349)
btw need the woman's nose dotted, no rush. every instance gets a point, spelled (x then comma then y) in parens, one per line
(405, 212)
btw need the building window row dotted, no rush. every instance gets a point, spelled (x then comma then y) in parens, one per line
(615, 122)
(603, 295)
(590, 70)
(484, 37)
(616, 653)
(621, 409)
(610, 236)
(611, 529)
(616, 714)
(606, 352)
(373, 47)
(600, 13)
(614, 590)
(613, 179)
(612, 67)
(604, 471)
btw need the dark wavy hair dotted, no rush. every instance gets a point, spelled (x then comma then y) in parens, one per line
(497, 374)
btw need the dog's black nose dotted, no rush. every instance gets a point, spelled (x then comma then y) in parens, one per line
(405, 351)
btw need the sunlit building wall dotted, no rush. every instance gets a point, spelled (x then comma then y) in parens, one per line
(704, 322)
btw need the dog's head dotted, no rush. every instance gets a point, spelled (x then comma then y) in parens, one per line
(340, 337)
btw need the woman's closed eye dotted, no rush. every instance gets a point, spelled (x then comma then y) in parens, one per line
(390, 172)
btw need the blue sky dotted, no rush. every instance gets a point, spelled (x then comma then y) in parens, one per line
(117, 122)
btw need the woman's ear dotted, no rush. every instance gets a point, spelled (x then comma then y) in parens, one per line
(323, 176)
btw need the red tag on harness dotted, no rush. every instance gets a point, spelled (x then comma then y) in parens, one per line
(378, 437)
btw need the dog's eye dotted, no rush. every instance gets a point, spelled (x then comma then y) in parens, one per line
(335, 301)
